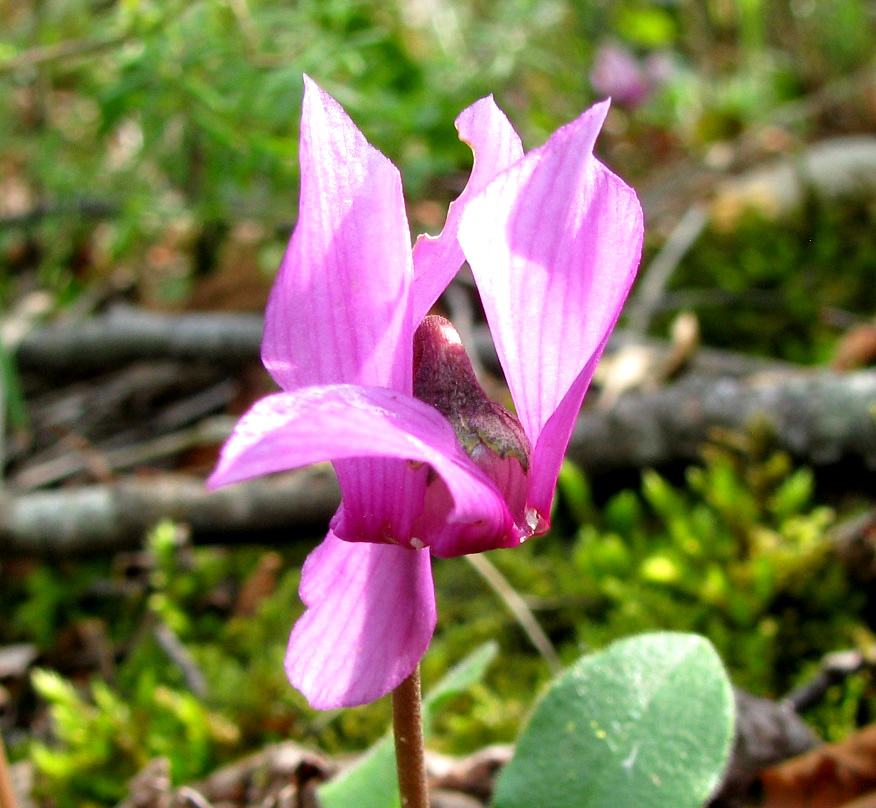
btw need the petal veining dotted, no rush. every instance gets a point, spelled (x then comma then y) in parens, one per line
(554, 243)
(496, 146)
(339, 310)
(370, 616)
(340, 422)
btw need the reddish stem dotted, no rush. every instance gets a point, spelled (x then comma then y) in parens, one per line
(7, 795)
(407, 727)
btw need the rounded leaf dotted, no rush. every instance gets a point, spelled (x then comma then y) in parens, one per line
(647, 722)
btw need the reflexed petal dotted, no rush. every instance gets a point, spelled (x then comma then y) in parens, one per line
(339, 310)
(496, 146)
(370, 616)
(554, 244)
(338, 422)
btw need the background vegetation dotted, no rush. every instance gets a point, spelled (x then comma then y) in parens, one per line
(148, 153)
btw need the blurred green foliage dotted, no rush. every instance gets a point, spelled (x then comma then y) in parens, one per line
(774, 287)
(104, 739)
(148, 126)
(739, 553)
(186, 113)
(134, 135)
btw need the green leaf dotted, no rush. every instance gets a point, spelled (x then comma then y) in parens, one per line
(647, 722)
(11, 396)
(649, 27)
(469, 671)
(372, 782)
(575, 489)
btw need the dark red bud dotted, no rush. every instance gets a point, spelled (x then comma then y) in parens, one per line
(444, 378)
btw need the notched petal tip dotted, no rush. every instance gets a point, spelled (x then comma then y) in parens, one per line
(579, 135)
(496, 146)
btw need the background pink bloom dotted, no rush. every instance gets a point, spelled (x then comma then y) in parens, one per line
(553, 239)
(617, 72)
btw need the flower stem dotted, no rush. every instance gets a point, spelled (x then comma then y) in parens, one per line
(7, 795)
(407, 728)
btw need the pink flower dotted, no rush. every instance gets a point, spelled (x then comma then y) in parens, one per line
(629, 82)
(553, 239)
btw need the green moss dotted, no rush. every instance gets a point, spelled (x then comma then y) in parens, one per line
(739, 552)
(774, 286)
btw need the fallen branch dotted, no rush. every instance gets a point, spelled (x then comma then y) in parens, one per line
(125, 335)
(819, 418)
(209, 431)
(102, 518)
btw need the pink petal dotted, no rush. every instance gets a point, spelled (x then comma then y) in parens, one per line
(339, 310)
(452, 539)
(554, 244)
(339, 422)
(383, 498)
(370, 616)
(419, 512)
(496, 146)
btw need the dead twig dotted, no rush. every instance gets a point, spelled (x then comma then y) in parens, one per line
(180, 656)
(517, 606)
(835, 668)
(224, 340)
(820, 418)
(125, 335)
(210, 431)
(655, 278)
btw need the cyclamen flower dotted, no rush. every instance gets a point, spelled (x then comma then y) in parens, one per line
(629, 81)
(553, 239)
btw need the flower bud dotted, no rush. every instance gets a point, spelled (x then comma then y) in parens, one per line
(444, 378)
(491, 436)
